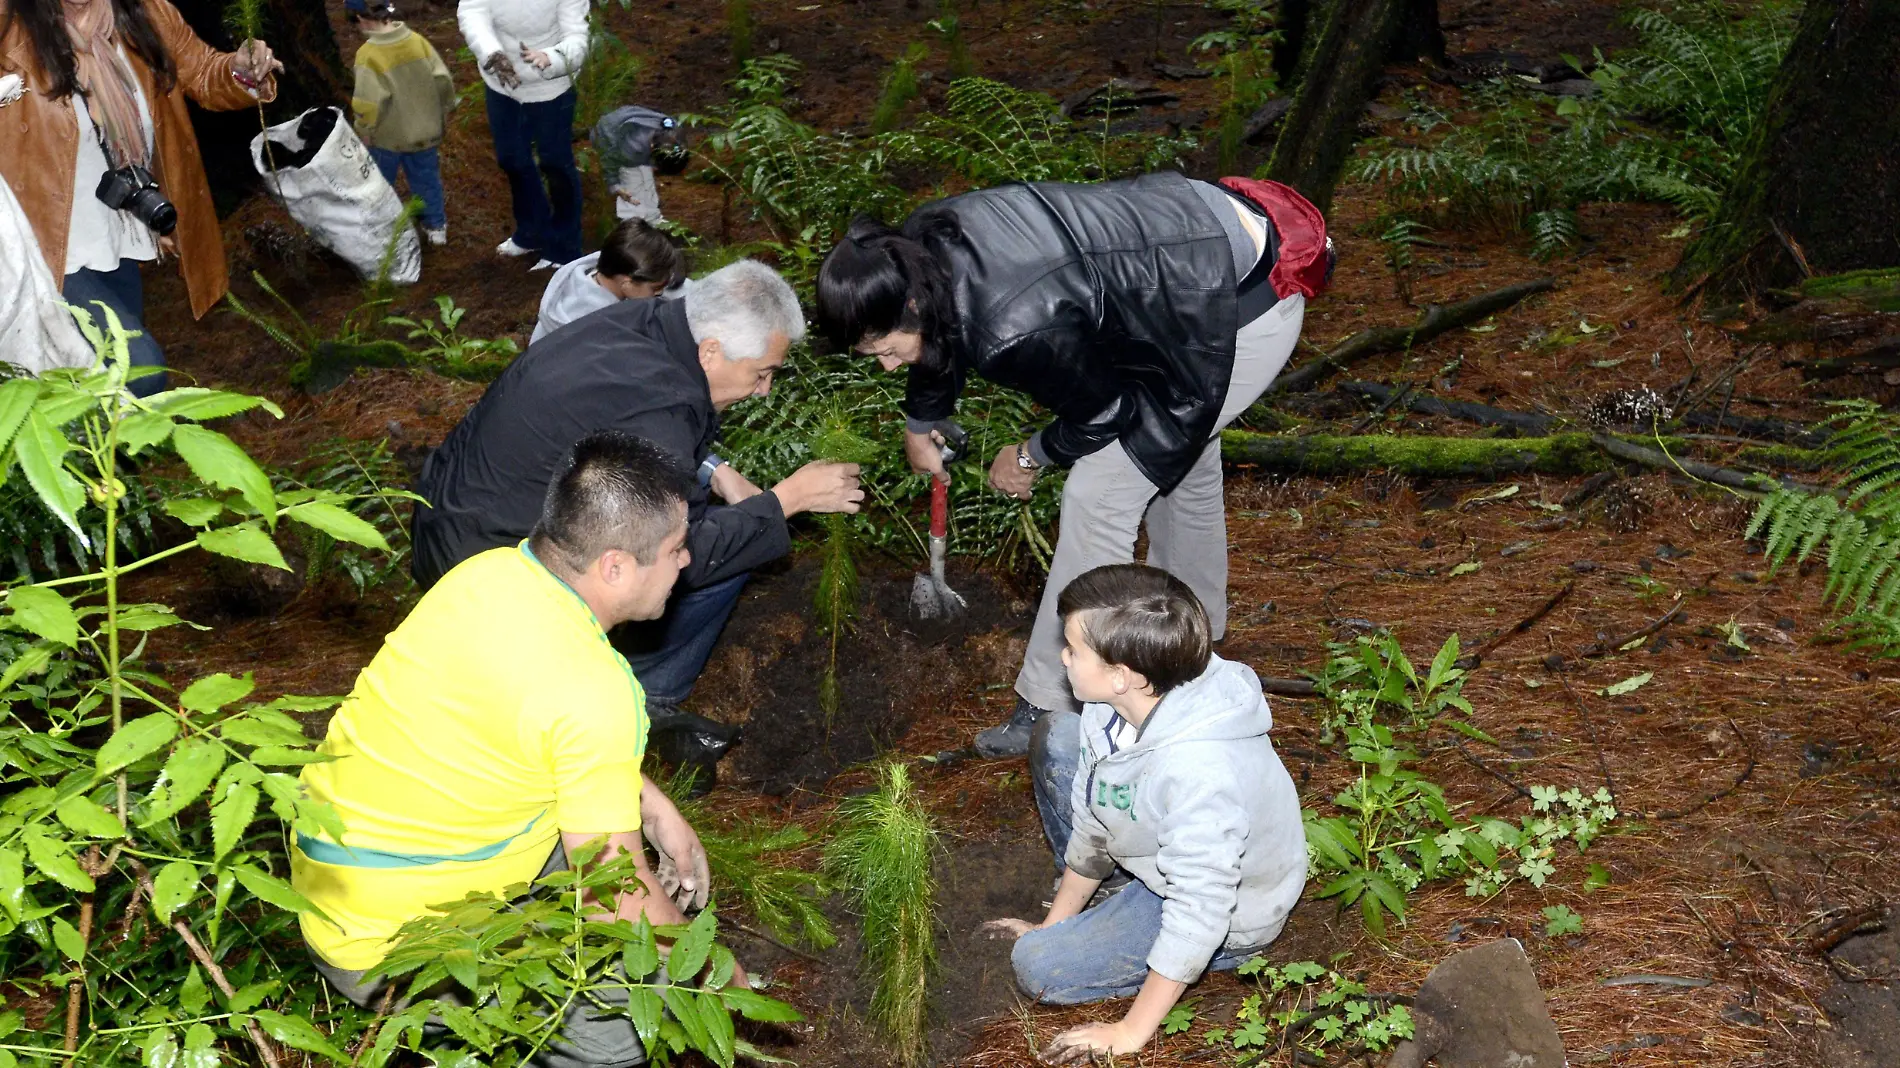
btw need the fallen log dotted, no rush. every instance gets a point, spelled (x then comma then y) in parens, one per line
(1746, 482)
(1530, 423)
(1416, 456)
(1481, 459)
(1435, 320)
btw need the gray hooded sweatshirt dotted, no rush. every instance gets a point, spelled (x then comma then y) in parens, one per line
(1200, 809)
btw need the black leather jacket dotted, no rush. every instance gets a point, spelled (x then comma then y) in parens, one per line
(1112, 305)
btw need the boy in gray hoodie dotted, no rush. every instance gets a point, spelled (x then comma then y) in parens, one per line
(1167, 773)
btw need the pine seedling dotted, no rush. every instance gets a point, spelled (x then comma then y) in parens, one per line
(882, 857)
(245, 20)
(947, 23)
(900, 88)
(739, 29)
(836, 596)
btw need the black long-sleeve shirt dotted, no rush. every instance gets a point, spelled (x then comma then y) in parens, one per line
(632, 367)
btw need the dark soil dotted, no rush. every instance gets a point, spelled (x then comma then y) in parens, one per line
(1865, 1004)
(892, 669)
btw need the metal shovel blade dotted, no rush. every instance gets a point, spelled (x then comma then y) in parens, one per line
(930, 596)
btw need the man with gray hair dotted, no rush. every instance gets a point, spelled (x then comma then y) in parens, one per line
(662, 370)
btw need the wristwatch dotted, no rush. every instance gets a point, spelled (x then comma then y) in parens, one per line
(1023, 459)
(713, 462)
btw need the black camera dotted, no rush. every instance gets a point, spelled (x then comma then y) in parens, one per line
(132, 188)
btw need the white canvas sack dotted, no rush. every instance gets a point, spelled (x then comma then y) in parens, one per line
(37, 333)
(342, 199)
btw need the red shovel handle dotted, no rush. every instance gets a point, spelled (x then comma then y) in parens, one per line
(939, 508)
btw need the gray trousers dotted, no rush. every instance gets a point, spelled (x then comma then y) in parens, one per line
(587, 1039)
(1107, 498)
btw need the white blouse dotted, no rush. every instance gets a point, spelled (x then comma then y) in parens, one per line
(99, 236)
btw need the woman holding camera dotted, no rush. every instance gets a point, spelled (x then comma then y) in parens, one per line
(97, 145)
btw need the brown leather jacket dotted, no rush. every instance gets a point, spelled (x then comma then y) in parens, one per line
(39, 145)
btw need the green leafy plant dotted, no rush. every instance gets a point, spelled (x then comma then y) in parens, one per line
(121, 796)
(1372, 675)
(1307, 1007)
(502, 973)
(442, 345)
(370, 478)
(1561, 920)
(882, 856)
(1859, 525)
(1397, 833)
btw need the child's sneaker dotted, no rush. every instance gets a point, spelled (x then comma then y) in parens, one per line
(437, 236)
(511, 250)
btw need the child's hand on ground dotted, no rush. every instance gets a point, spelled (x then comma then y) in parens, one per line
(1011, 929)
(1080, 1045)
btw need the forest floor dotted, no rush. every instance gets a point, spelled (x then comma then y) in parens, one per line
(1784, 755)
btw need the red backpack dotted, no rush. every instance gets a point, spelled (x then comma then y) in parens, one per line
(1306, 253)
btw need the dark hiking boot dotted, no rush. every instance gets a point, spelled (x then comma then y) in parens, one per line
(690, 743)
(1011, 737)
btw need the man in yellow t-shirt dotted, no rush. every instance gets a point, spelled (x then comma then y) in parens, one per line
(497, 728)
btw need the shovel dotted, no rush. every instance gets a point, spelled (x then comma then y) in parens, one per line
(930, 594)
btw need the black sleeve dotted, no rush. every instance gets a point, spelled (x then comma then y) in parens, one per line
(728, 539)
(1071, 436)
(724, 540)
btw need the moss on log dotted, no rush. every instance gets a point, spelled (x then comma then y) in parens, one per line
(1417, 456)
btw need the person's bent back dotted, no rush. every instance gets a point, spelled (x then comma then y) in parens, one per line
(496, 716)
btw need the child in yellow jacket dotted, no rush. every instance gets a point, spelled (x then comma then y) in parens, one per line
(401, 104)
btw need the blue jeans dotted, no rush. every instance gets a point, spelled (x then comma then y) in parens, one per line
(1100, 954)
(534, 143)
(1054, 748)
(123, 292)
(667, 654)
(424, 168)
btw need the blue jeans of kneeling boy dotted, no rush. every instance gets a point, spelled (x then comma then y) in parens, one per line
(1103, 952)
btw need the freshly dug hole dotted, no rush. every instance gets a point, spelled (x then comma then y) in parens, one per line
(892, 669)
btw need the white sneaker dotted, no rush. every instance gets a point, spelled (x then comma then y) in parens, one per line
(437, 236)
(544, 265)
(510, 249)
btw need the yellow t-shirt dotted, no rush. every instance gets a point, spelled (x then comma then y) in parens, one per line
(496, 716)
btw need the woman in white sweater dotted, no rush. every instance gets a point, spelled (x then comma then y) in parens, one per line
(530, 51)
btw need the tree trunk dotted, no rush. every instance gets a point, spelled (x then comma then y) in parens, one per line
(1317, 134)
(301, 37)
(1817, 191)
(1294, 16)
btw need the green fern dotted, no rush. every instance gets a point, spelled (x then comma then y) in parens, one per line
(1552, 231)
(1859, 525)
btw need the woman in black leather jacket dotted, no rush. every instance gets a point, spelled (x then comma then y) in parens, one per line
(1143, 315)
